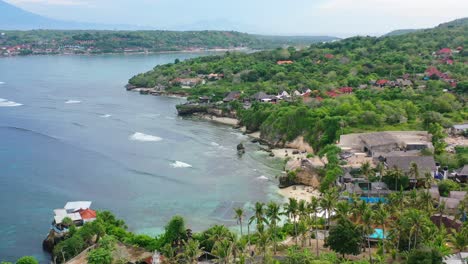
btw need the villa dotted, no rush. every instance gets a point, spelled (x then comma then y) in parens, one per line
(79, 212)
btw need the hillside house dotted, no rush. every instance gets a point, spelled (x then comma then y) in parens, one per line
(459, 129)
(232, 96)
(445, 52)
(426, 164)
(79, 212)
(375, 143)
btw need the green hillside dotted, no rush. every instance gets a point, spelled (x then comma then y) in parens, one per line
(428, 95)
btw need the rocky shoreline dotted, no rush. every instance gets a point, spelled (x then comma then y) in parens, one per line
(299, 170)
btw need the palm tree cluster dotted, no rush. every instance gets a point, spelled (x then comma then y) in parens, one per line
(404, 220)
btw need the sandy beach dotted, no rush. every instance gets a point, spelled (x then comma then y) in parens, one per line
(221, 120)
(299, 192)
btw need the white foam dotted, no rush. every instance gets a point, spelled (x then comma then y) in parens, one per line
(2, 83)
(263, 178)
(170, 118)
(6, 103)
(73, 102)
(180, 164)
(106, 116)
(214, 144)
(137, 136)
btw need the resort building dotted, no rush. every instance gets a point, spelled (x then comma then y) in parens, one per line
(78, 212)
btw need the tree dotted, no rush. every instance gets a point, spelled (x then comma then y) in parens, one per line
(424, 255)
(239, 217)
(27, 260)
(100, 256)
(381, 217)
(438, 135)
(446, 186)
(328, 203)
(344, 238)
(259, 215)
(367, 218)
(314, 208)
(175, 231)
(460, 239)
(273, 216)
(291, 210)
(192, 251)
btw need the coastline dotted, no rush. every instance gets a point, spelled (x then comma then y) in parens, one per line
(137, 53)
(299, 191)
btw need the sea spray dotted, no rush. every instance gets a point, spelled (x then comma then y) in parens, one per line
(180, 164)
(7, 103)
(137, 136)
(72, 102)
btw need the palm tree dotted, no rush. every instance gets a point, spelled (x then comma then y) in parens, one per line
(342, 209)
(460, 240)
(239, 217)
(192, 251)
(263, 241)
(425, 201)
(328, 202)
(366, 170)
(273, 215)
(259, 215)
(413, 170)
(291, 210)
(381, 217)
(223, 251)
(441, 211)
(314, 207)
(367, 217)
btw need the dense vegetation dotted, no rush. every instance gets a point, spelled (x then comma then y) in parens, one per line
(411, 235)
(323, 68)
(151, 41)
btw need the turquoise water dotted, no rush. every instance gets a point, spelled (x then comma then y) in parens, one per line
(70, 131)
(378, 234)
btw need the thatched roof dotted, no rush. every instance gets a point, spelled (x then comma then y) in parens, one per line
(426, 164)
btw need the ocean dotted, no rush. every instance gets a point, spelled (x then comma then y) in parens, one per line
(70, 131)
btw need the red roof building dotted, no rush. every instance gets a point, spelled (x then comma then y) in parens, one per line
(345, 90)
(332, 94)
(433, 71)
(381, 82)
(88, 215)
(329, 56)
(444, 51)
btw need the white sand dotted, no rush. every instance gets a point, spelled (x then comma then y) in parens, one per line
(288, 153)
(221, 120)
(302, 192)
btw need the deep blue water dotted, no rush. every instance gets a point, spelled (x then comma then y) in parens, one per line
(71, 139)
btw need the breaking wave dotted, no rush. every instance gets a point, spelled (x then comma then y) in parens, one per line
(180, 164)
(137, 136)
(6, 103)
(106, 116)
(262, 178)
(73, 102)
(2, 83)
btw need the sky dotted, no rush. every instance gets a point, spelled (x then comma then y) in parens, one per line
(278, 17)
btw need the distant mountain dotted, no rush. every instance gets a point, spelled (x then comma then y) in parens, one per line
(454, 23)
(399, 32)
(14, 18)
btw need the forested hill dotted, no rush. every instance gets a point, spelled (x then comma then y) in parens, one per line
(357, 84)
(58, 41)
